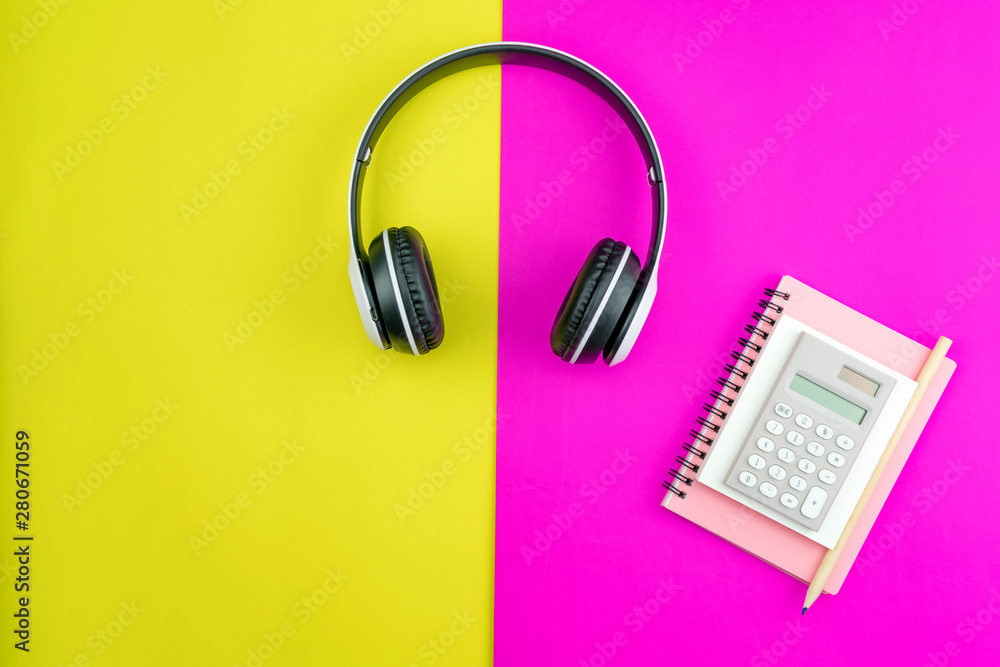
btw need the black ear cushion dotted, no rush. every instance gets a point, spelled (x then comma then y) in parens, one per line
(581, 304)
(401, 255)
(578, 298)
(414, 262)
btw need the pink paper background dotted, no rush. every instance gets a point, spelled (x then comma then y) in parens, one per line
(621, 567)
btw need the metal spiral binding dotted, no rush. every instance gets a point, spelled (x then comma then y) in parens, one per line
(712, 410)
(736, 370)
(705, 423)
(755, 331)
(750, 347)
(718, 396)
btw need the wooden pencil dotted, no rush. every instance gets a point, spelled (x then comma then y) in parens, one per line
(832, 555)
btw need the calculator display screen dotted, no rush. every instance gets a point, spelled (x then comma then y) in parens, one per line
(828, 399)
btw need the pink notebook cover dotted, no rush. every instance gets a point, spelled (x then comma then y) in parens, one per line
(767, 539)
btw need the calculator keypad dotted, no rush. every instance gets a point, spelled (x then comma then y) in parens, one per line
(793, 465)
(810, 432)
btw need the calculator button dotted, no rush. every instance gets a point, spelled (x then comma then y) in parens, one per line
(756, 461)
(827, 476)
(815, 448)
(783, 410)
(765, 444)
(836, 459)
(845, 442)
(747, 478)
(795, 438)
(777, 472)
(824, 431)
(807, 466)
(768, 489)
(786, 455)
(796, 482)
(774, 427)
(814, 501)
(804, 420)
(789, 501)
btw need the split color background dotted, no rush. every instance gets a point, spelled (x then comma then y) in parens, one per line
(224, 471)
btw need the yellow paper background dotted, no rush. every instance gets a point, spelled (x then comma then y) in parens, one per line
(153, 413)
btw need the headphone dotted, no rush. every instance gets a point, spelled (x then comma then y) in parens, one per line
(394, 283)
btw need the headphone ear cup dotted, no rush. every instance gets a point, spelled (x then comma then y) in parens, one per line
(595, 302)
(406, 290)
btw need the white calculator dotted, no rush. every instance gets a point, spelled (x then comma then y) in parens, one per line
(809, 431)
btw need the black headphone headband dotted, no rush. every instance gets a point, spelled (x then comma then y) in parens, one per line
(518, 53)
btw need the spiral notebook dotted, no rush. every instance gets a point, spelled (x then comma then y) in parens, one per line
(783, 546)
